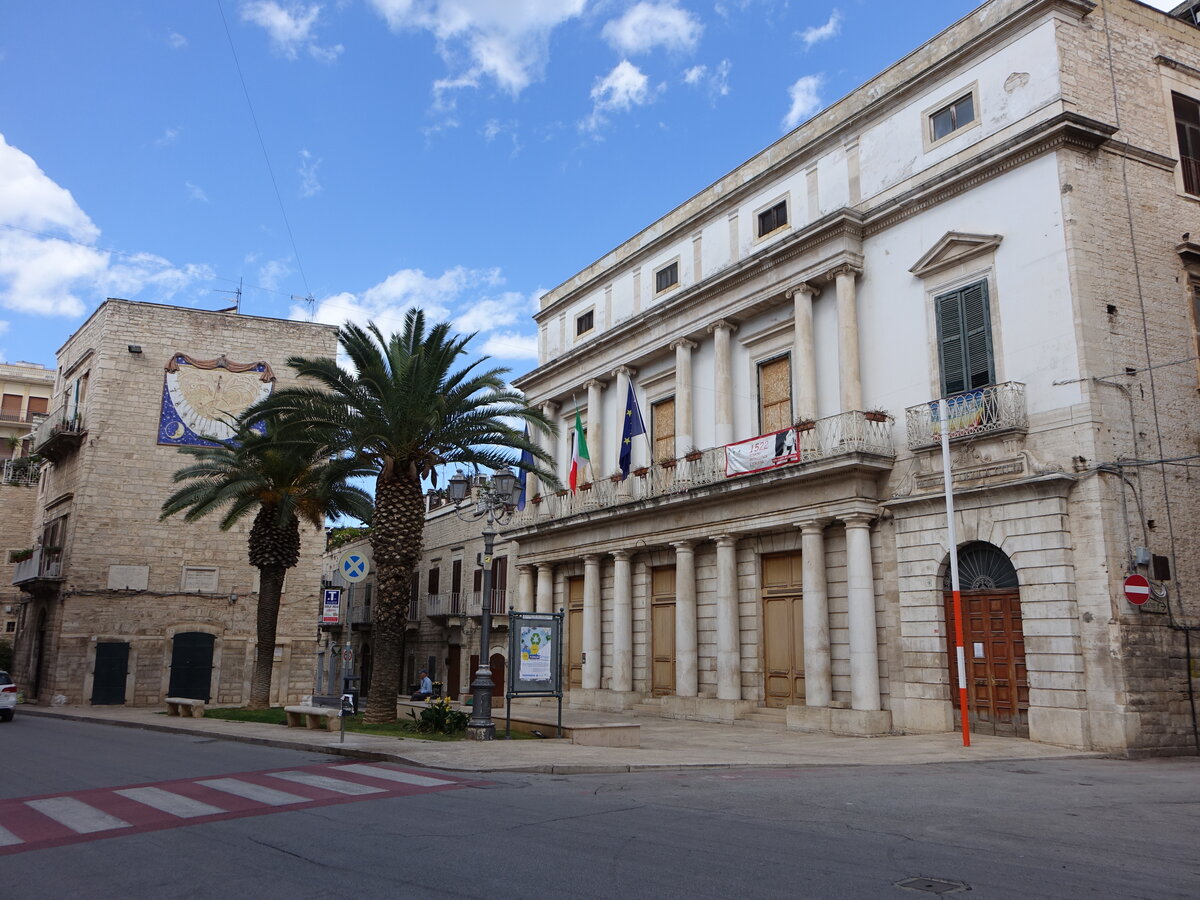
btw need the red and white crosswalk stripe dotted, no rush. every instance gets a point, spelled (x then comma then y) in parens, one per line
(50, 821)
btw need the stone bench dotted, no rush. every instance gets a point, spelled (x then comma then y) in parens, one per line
(185, 707)
(313, 717)
(607, 734)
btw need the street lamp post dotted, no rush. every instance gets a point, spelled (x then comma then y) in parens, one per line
(494, 504)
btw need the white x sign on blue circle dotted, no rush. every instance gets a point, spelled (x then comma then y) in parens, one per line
(354, 566)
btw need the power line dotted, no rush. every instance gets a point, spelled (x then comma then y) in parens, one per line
(261, 143)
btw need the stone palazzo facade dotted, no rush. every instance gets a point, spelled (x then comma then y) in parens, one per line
(118, 607)
(1002, 219)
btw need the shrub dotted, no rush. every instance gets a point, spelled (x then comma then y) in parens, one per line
(439, 717)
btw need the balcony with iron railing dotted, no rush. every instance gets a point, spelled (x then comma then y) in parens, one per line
(437, 606)
(992, 410)
(41, 571)
(821, 445)
(21, 471)
(19, 418)
(59, 434)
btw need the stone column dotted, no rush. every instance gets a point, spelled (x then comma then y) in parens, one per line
(687, 660)
(595, 415)
(723, 388)
(818, 685)
(545, 588)
(684, 440)
(864, 639)
(591, 622)
(848, 365)
(729, 641)
(524, 589)
(546, 442)
(804, 360)
(622, 670)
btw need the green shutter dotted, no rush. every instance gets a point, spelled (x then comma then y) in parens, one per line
(965, 339)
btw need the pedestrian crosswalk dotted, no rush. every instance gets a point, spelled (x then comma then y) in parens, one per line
(50, 821)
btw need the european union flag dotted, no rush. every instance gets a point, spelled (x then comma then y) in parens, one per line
(633, 427)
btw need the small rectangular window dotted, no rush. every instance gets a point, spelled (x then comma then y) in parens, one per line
(666, 277)
(585, 322)
(952, 117)
(770, 219)
(775, 394)
(1187, 130)
(10, 627)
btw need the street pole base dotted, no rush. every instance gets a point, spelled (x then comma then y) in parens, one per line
(482, 732)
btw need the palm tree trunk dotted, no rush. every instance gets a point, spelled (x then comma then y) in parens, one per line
(396, 533)
(270, 587)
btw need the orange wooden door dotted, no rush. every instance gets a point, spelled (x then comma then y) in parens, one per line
(662, 631)
(575, 632)
(783, 630)
(997, 680)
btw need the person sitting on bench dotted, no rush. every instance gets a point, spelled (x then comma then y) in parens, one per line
(425, 691)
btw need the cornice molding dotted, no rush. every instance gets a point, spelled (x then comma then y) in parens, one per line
(952, 248)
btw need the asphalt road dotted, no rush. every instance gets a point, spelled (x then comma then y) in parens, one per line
(1061, 829)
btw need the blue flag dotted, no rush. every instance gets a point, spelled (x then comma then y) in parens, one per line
(633, 427)
(523, 471)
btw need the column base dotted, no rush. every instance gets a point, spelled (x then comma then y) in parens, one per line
(706, 709)
(595, 698)
(830, 720)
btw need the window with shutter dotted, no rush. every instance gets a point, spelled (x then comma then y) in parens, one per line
(965, 339)
(663, 429)
(1187, 130)
(775, 394)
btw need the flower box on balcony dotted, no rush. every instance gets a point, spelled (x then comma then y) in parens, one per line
(668, 463)
(806, 425)
(692, 455)
(586, 486)
(641, 471)
(535, 499)
(875, 415)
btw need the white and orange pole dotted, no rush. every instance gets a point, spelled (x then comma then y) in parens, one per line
(959, 647)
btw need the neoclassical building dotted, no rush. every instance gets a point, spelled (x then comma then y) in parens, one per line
(1003, 219)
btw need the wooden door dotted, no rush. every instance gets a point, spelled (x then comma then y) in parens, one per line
(110, 672)
(662, 631)
(997, 681)
(575, 632)
(454, 672)
(191, 665)
(499, 684)
(783, 630)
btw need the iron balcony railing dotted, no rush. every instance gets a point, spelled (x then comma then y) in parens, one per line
(21, 418)
(843, 435)
(473, 602)
(988, 410)
(60, 421)
(20, 471)
(43, 564)
(448, 603)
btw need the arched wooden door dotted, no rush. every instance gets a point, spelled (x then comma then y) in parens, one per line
(997, 680)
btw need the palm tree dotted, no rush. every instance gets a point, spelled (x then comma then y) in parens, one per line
(283, 477)
(404, 410)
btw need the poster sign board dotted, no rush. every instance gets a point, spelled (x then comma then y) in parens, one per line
(536, 645)
(331, 605)
(763, 452)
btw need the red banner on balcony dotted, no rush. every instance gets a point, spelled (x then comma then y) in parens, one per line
(763, 452)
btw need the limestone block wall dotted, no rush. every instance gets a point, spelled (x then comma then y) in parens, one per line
(17, 503)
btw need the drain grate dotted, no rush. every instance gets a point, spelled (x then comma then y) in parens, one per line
(933, 885)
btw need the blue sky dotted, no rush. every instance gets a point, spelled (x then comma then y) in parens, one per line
(460, 155)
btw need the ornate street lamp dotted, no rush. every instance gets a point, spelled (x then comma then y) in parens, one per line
(494, 501)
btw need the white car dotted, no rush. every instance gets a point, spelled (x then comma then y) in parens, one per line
(8, 697)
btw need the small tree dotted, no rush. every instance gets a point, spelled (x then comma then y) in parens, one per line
(282, 476)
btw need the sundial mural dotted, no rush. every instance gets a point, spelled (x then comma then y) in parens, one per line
(200, 395)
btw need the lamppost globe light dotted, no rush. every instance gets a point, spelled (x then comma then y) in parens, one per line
(505, 484)
(458, 487)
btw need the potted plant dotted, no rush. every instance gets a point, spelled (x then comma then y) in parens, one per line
(668, 462)
(561, 493)
(586, 486)
(803, 425)
(535, 499)
(617, 476)
(876, 415)
(16, 556)
(692, 454)
(641, 471)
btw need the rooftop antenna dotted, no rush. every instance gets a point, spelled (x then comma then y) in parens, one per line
(311, 301)
(237, 298)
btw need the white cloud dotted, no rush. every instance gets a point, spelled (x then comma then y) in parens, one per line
(625, 87)
(309, 184)
(490, 313)
(291, 28)
(507, 42)
(511, 345)
(168, 137)
(47, 253)
(716, 83)
(817, 33)
(272, 273)
(805, 100)
(196, 192)
(695, 74)
(645, 26)
(176, 41)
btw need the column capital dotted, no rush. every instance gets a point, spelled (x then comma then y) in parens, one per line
(591, 559)
(726, 540)
(622, 555)
(683, 342)
(627, 371)
(597, 383)
(685, 546)
(723, 323)
(549, 407)
(545, 567)
(810, 526)
(857, 519)
(802, 287)
(844, 269)
(525, 567)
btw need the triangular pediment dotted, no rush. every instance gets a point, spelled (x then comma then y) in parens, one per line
(953, 248)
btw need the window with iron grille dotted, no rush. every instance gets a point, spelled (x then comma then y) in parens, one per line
(951, 117)
(666, 277)
(965, 339)
(770, 219)
(1187, 130)
(585, 322)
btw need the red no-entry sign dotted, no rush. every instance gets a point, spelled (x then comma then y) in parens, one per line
(1137, 589)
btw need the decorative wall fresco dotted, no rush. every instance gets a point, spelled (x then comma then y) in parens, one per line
(201, 395)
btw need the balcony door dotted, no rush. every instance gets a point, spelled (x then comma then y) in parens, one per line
(662, 631)
(575, 632)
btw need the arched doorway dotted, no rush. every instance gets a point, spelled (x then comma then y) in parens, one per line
(997, 681)
(191, 665)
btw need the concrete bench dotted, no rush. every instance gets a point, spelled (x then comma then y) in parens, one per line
(312, 717)
(185, 707)
(608, 734)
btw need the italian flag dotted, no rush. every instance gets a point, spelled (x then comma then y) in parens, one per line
(580, 457)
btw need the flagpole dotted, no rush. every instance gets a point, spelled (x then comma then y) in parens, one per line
(959, 649)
